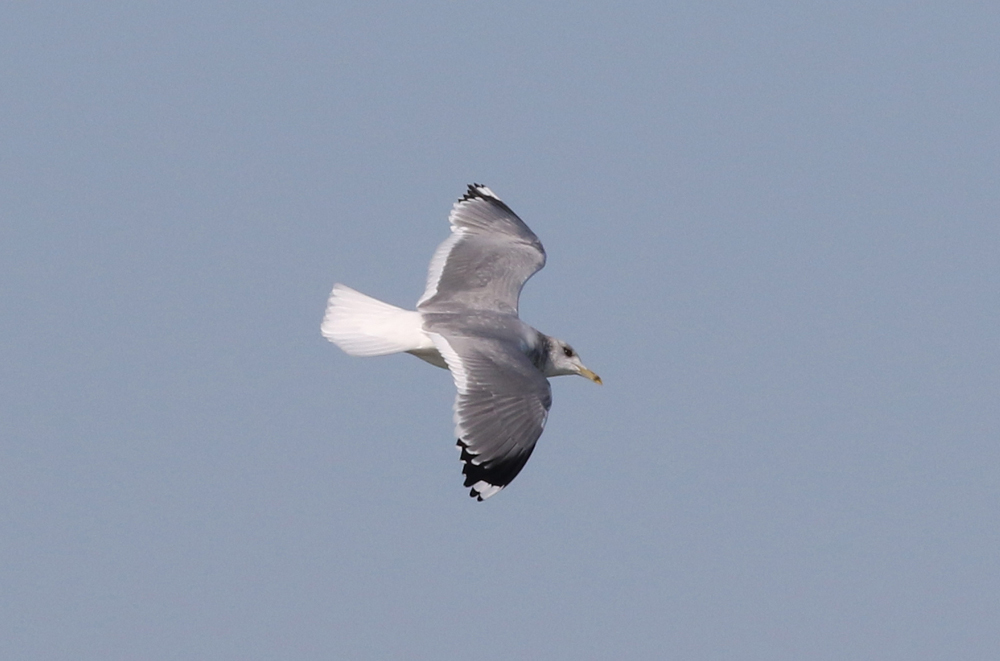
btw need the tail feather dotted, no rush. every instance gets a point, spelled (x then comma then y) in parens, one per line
(365, 326)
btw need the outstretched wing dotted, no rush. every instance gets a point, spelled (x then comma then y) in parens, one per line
(500, 411)
(486, 260)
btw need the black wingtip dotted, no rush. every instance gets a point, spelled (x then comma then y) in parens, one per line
(476, 192)
(481, 192)
(497, 473)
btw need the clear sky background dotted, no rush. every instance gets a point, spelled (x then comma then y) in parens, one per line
(773, 229)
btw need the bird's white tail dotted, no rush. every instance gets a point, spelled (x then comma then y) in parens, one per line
(365, 326)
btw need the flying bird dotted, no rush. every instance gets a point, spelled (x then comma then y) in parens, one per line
(467, 322)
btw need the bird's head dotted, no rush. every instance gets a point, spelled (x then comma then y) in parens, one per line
(562, 360)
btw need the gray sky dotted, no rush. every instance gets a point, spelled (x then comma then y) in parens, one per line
(772, 229)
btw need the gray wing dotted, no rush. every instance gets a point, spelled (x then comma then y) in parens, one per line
(486, 260)
(500, 411)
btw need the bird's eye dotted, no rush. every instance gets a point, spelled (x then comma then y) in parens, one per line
(568, 352)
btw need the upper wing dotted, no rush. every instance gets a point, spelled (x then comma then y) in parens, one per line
(486, 260)
(500, 411)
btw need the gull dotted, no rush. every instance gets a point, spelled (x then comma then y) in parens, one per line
(467, 322)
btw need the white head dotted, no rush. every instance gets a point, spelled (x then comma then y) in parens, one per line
(563, 360)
